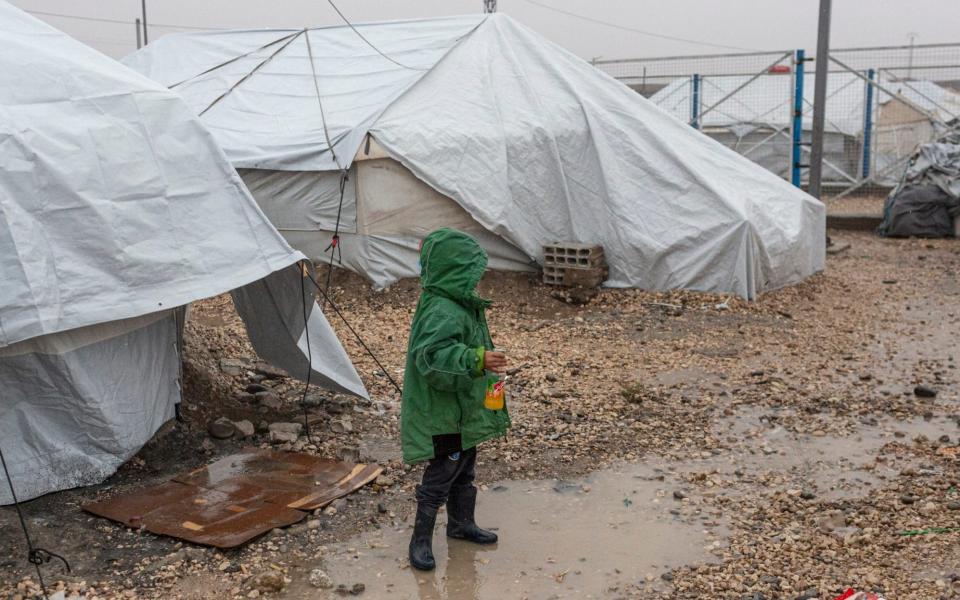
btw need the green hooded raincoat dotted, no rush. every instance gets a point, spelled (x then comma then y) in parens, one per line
(444, 383)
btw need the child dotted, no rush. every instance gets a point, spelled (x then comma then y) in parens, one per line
(443, 416)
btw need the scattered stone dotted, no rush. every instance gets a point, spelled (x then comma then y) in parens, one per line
(221, 429)
(268, 581)
(807, 495)
(320, 579)
(244, 428)
(341, 425)
(907, 499)
(679, 494)
(928, 508)
(953, 505)
(922, 391)
(233, 366)
(809, 594)
(269, 400)
(384, 481)
(256, 388)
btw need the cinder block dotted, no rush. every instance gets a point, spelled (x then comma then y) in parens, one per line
(572, 254)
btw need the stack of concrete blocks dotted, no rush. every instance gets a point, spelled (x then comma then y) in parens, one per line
(574, 265)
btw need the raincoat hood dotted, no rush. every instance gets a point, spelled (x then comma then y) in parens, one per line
(452, 264)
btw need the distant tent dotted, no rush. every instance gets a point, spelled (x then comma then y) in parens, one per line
(478, 122)
(117, 209)
(754, 115)
(926, 203)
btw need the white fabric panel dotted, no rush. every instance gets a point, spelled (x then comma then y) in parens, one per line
(273, 310)
(538, 146)
(304, 200)
(272, 120)
(76, 405)
(393, 202)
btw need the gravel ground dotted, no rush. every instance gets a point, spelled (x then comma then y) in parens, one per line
(630, 376)
(856, 205)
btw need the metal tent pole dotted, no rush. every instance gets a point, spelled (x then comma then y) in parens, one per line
(695, 102)
(820, 97)
(139, 41)
(867, 125)
(797, 121)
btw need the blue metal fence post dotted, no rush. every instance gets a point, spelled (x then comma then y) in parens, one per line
(695, 103)
(797, 124)
(867, 124)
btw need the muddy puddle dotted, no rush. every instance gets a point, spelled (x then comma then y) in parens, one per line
(621, 528)
(558, 539)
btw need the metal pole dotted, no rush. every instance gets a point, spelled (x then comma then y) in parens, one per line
(695, 103)
(867, 124)
(143, 8)
(139, 42)
(913, 38)
(797, 122)
(820, 98)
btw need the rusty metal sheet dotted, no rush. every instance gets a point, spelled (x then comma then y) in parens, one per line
(296, 480)
(238, 497)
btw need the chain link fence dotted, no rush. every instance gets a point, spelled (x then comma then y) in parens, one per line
(881, 104)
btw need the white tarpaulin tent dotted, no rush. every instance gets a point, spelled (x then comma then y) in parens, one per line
(524, 142)
(117, 209)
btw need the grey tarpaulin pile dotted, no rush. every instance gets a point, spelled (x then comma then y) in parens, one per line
(926, 202)
(117, 209)
(487, 125)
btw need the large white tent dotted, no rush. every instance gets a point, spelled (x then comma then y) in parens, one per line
(479, 122)
(117, 209)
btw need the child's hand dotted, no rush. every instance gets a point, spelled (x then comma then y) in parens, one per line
(495, 361)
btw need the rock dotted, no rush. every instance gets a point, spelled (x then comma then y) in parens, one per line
(928, 508)
(807, 595)
(269, 400)
(283, 437)
(355, 590)
(348, 454)
(330, 510)
(381, 508)
(268, 581)
(244, 428)
(907, 499)
(221, 429)
(807, 495)
(551, 378)
(953, 505)
(835, 519)
(667, 576)
(384, 481)
(269, 371)
(285, 427)
(922, 391)
(256, 388)
(233, 366)
(679, 494)
(341, 425)
(313, 524)
(207, 446)
(320, 579)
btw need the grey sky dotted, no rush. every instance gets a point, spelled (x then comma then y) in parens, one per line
(753, 24)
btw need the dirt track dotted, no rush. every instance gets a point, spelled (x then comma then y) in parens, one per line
(789, 428)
